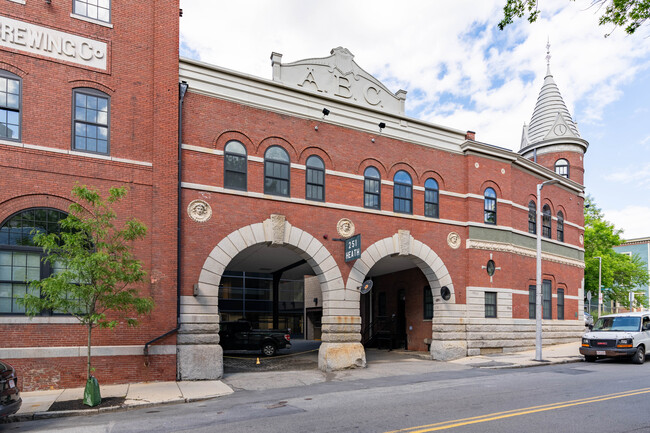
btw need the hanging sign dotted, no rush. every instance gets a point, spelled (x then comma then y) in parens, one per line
(353, 248)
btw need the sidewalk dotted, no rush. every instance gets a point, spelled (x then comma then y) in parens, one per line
(380, 364)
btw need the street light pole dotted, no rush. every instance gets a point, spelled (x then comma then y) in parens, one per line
(538, 285)
(600, 263)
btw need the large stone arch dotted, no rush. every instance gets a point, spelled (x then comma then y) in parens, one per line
(199, 355)
(434, 269)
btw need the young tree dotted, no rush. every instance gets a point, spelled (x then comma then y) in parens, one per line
(630, 14)
(620, 273)
(95, 268)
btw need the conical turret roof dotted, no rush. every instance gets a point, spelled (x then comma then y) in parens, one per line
(551, 118)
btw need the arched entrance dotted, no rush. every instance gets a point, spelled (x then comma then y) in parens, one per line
(404, 246)
(199, 356)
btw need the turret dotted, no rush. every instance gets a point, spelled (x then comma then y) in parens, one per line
(551, 138)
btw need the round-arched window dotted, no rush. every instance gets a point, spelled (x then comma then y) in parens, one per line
(276, 171)
(315, 179)
(20, 258)
(402, 192)
(490, 206)
(371, 188)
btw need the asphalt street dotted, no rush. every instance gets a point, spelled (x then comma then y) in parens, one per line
(611, 396)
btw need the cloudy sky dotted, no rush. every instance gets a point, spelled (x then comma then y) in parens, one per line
(461, 71)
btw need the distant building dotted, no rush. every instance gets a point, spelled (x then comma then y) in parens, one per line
(641, 248)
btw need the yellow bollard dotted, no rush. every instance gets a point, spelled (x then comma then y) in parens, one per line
(258, 361)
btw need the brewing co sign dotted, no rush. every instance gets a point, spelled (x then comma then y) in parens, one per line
(52, 43)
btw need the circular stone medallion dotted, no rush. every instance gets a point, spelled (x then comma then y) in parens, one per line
(199, 211)
(582, 239)
(345, 228)
(453, 239)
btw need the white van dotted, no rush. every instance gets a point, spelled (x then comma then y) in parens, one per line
(615, 335)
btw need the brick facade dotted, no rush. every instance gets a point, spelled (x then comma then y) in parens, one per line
(141, 79)
(39, 170)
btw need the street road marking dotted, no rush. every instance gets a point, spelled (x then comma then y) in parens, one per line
(517, 412)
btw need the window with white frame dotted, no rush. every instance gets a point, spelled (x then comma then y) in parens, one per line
(95, 9)
(10, 106)
(91, 121)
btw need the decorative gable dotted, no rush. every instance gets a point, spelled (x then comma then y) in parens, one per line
(340, 77)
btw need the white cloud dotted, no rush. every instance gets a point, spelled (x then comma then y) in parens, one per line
(407, 45)
(639, 176)
(633, 220)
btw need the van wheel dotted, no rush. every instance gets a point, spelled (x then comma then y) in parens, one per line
(268, 349)
(590, 358)
(639, 355)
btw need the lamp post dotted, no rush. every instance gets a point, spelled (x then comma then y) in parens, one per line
(538, 285)
(600, 265)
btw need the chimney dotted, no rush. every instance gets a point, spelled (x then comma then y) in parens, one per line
(470, 135)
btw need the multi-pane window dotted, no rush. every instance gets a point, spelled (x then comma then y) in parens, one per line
(490, 304)
(428, 303)
(490, 206)
(315, 187)
(547, 300)
(560, 226)
(402, 192)
(371, 188)
(546, 221)
(532, 217)
(431, 198)
(276, 171)
(562, 167)
(91, 121)
(9, 106)
(234, 166)
(532, 302)
(95, 9)
(20, 258)
(560, 304)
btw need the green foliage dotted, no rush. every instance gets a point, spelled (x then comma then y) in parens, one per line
(630, 14)
(95, 268)
(620, 273)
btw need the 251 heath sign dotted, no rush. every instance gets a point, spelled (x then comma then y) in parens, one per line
(51, 43)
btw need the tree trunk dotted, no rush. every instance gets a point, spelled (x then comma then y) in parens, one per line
(90, 330)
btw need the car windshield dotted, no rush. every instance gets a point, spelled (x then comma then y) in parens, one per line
(618, 324)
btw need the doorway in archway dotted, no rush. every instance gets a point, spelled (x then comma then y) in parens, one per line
(397, 312)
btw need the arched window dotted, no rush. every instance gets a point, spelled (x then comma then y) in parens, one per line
(276, 171)
(560, 226)
(371, 188)
(402, 192)
(546, 221)
(10, 106)
(20, 258)
(562, 167)
(315, 179)
(234, 176)
(532, 217)
(431, 197)
(91, 121)
(490, 206)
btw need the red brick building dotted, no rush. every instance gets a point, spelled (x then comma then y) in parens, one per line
(447, 229)
(274, 176)
(88, 95)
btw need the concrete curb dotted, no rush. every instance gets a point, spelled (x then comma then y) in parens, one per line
(81, 412)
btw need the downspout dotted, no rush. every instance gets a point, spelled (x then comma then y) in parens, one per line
(182, 89)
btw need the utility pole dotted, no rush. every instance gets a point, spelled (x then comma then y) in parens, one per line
(600, 296)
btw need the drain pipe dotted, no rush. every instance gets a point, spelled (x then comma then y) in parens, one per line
(182, 89)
